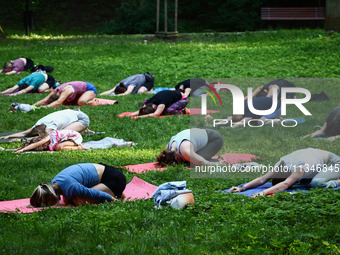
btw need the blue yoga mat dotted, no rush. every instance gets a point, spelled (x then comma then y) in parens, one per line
(267, 185)
(298, 120)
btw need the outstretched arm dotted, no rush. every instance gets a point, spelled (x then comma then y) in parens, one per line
(44, 100)
(11, 72)
(255, 92)
(128, 91)
(23, 91)
(188, 153)
(320, 132)
(63, 96)
(294, 177)
(16, 135)
(33, 145)
(254, 183)
(10, 90)
(109, 92)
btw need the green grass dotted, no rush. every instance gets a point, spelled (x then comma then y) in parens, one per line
(217, 223)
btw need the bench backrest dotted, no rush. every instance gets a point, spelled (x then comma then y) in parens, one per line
(293, 13)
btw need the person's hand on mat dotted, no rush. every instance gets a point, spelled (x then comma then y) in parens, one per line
(82, 147)
(114, 199)
(222, 161)
(94, 102)
(332, 138)
(235, 189)
(127, 199)
(260, 194)
(19, 150)
(88, 131)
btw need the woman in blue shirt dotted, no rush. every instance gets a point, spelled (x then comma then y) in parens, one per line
(80, 184)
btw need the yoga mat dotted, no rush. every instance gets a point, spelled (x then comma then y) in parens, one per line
(193, 111)
(298, 120)
(5, 134)
(141, 168)
(320, 138)
(139, 189)
(267, 185)
(105, 143)
(103, 101)
(234, 158)
(23, 206)
(136, 189)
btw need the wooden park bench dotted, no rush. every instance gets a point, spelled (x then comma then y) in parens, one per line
(293, 13)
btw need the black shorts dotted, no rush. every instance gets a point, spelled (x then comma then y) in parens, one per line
(29, 64)
(50, 81)
(149, 81)
(114, 179)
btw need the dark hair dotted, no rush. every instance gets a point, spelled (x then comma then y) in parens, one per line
(120, 89)
(23, 86)
(166, 158)
(35, 140)
(146, 109)
(262, 93)
(38, 130)
(8, 66)
(52, 98)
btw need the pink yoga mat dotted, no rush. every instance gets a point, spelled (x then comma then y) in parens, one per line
(193, 111)
(141, 168)
(136, 189)
(139, 189)
(23, 206)
(234, 158)
(106, 101)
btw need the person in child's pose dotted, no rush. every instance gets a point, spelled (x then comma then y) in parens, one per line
(17, 66)
(193, 87)
(23, 64)
(194, 145)
(64, 119)
(80, 184)
(138, 83)
(57, 140)
(314, 167)
(259, 103)
(331, 127)
(35, 82)
(71, 93)
(268, 89)
(164, 102)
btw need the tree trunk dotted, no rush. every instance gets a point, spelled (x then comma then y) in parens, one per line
(332, 17)
(2, 33)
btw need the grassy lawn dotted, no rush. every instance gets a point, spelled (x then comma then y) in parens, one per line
(217, 223)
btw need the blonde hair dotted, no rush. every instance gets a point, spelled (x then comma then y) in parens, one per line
(44, 195)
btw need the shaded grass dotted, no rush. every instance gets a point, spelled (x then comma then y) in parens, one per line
(217, 223)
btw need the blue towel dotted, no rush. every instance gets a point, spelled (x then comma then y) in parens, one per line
(298, 120)
(267, 185)
(159, 89)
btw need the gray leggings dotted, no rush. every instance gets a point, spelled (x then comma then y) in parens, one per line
(332, 173)
(83, 119)
(214, 145)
